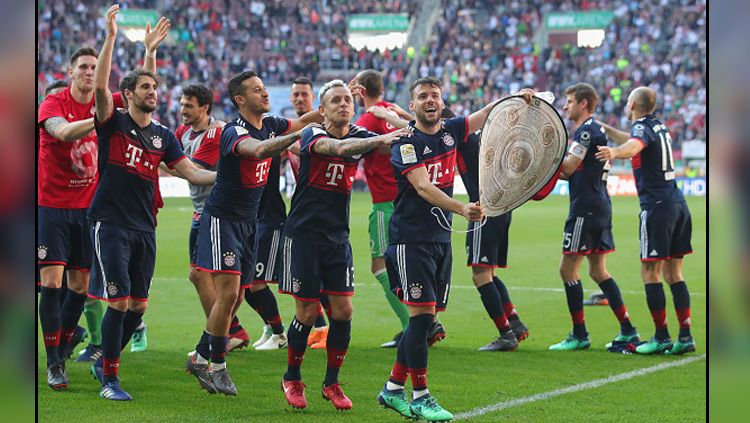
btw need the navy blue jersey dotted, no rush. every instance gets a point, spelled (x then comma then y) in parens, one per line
(412, 221)
(272, 211)
(320, 206)
(129, 158)
(653, 167)
(588, 183)
(468, 165)
(240, 180)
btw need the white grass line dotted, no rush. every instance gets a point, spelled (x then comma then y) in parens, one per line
(479, 411)
(512, 288)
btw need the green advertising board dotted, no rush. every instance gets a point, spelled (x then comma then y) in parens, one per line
(378, 22)
(556, 21)
(135, 17)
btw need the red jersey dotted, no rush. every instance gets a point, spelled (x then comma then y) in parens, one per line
(378, 170)
(67, 170)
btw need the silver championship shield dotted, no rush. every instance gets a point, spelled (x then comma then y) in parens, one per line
(521, 149)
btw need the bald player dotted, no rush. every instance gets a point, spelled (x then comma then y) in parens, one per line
(666, 227)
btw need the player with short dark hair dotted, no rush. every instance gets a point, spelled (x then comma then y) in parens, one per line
(419, 255)
(588, 228)
(123, 210)
(666, 225)
(317, 252)
(487, 250)
(66, 185)
(199, 134)
(228, 236)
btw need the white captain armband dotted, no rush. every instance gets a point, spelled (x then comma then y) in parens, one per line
(578, 150)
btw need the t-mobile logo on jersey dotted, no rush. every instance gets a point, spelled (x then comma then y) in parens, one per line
(261, 170)
(335, 173)
(434, 170)
(134, 154)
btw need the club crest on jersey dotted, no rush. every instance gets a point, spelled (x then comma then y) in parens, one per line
(93, 111)
(230, 259)
(448, 139)
(41, 252)
(111, 288)
(296, 285)
(415, 291)
(156, 141)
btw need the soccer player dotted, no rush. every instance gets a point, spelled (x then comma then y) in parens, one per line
(588, 228)
(487, 250)
(317, 252)
(419, 256)
(382, 186)
(228, 236)
(93, 309)
(302, 97)
(666, 227)
(67, 180)
(131, 146)
(199, 134)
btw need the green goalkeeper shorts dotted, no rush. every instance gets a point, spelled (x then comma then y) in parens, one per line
(380, 216)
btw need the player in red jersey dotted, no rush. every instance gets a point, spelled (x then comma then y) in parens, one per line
(67, 180)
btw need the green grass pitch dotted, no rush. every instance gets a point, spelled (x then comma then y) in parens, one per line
(460, 377)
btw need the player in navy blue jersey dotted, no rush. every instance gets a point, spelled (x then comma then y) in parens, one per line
(588, 229)
(317, 253)
(666, 227)
(123, 212)
(418, 258)
(487, 250)
(228, 237)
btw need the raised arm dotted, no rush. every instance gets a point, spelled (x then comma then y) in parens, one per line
(63, 130)
(478, 118)
(420, 180)
(353, 146)
(104, 105)
(152, 40)
(251, 147)
(616, 135)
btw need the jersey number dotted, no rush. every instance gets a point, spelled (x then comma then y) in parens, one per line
(567, 239)
(667, 160)
(259, 270)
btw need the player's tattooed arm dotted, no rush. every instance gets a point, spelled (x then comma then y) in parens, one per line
(420, 180)
(294, 148)
(63, 130)
(353, 146)
(616, 135)
(251, 147)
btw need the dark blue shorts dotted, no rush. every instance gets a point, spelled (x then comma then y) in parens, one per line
(227, 246)
(665, 232)
(311, 269)
(268, 262)
(63, 238)
(123, 264)
(488, 245)
(420, 274)
(195, 226)
(585, 235)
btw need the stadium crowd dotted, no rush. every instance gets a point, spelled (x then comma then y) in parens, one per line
(480, 51)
